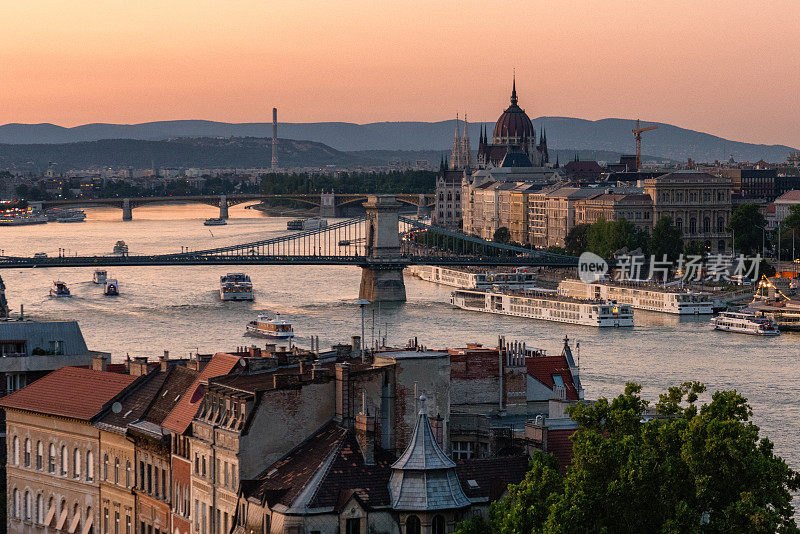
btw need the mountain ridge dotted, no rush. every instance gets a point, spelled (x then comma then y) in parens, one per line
(566, 133)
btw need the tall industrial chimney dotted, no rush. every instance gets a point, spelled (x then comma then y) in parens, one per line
(274, 138)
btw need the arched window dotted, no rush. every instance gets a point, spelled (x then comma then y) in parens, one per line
(51, 459)
(39, 509)
(64, 461)
(15, 450)
(720, 224)
(438, 524)
(15, 512)
(116, 470)
(27, 452)
(413, 525)
(90, 466)
(75, 520)
(679, 224)
(28, 506)
(706, 225)
(128, 481)
(39, 454)
(105, 467)
(692, 226)
(76, 463)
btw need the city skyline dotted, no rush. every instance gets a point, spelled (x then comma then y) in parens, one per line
(357, 62)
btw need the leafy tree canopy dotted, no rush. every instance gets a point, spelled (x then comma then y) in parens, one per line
(576, 241)
(502, 235)
(747, 225)
(606, 237)
(690, 469)
(666, 240)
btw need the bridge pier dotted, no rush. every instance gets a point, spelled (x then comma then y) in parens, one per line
(327, 205)
(223, 207)
(423, 210)
(382, 277)
(127, 211)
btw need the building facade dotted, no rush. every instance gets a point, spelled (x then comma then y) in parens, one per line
(698, 203)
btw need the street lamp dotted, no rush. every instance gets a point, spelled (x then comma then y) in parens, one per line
(362, 303)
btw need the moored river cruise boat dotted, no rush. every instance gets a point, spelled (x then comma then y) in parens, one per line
(744, 323)
(651, 296)
(474, 278)
(545, 306)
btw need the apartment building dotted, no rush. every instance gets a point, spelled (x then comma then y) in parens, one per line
(635, 208)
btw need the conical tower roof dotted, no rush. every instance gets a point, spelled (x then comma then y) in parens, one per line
(424, 477)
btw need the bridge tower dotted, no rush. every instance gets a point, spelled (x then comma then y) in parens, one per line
(223, 207)
(327, 205)
(127, 211)
(382, 277)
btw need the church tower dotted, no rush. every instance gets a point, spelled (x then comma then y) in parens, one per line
(466, 150)
(455, 154)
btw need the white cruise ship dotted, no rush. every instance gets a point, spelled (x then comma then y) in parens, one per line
(546, 306)
(641, 296)
(235, 286)
(275, 328)
(745, 323)
(467, 278)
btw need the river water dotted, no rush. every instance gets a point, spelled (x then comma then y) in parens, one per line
(178, 309)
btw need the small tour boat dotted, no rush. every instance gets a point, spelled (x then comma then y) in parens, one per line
(100, 276)
(120, 248)
(744, 323)
(59, 289)
(275, 328)
(111, 288)
(235, 286)
(215, 221)
(72, 216)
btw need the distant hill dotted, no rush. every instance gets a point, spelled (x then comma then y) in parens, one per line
(565, 133)
(182, 152)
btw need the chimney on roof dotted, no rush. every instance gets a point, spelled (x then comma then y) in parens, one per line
(255, 352)
(270, 347)
(100, 363)
(343, 393)
(356, 346)
(365, 432)
(138, 367)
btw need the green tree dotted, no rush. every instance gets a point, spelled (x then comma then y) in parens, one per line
(502, 235)
(694, 248)
(692, 468)
(666, 240)
(747, 225)
(604, 237)
(576, 241)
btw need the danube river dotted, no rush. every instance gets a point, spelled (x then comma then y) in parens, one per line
(178, 309)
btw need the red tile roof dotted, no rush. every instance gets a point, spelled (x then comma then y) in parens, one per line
(559, 445)
(181, 416)
(69, 392)
(789, 196)
(542, 368)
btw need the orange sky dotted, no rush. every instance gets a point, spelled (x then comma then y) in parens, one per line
(728, 67)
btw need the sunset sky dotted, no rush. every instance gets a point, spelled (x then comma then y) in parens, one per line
(731, 68)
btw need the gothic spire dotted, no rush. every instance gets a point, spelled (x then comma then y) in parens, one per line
(514, 90)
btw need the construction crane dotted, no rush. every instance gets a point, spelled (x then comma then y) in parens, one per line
(637, 134)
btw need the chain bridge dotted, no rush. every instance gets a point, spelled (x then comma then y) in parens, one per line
(382, 243)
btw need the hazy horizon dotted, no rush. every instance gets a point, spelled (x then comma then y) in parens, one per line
(729, 69)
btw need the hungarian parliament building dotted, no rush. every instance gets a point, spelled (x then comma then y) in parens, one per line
(514, 154)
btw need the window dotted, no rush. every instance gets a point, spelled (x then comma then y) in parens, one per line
(164, 483)
(64, 461)
(15, 450)
(149, 485)
(196, 464)
(90, 466)
(353, 526)
(462, 450)
(39, 509)
(413, 525)
(141, 475)
(39, 454)
(105, 467)
(127, 473)
(127, 524)
(116, 522)
(15, 512)
(438, 524)
(116, 470)
(28, 503)
(204, 467)
(692, 226)
(720, 224)
(105, 521)
(27, 452)
(706, 225)
(196, 515)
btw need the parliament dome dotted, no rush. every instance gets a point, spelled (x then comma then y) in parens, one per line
(514, 124)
